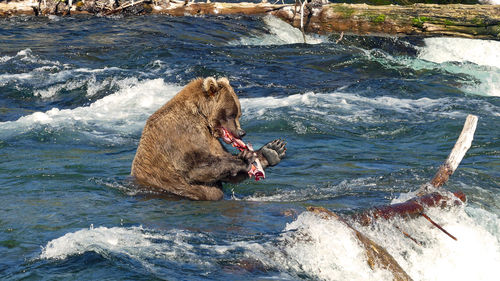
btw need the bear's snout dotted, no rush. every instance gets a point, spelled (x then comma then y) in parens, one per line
(241, 133)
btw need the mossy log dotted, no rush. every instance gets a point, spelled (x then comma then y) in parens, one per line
(472, 21)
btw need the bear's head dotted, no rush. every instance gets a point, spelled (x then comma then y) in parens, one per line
(225, 111)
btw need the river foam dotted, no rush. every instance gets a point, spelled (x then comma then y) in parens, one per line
(473, 257)
(280, 33)
(138, 244)
(478, 58)
(312, 247)
(480, 52)
(125, 111)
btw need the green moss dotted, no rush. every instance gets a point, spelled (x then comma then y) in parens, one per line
(345, 11)
(378, 19)
(493, 30)
(496, 30)
(419, 22)
(448, 22)
(478, 21)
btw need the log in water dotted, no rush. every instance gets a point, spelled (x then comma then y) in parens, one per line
(472, 21)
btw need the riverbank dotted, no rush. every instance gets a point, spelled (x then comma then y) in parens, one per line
(457, 20)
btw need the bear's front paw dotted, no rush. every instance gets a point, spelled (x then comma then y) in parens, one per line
(274, 151)
(247, 156)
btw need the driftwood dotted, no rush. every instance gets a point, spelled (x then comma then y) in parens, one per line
(429, 196)
(473, 21)
(457, 154)
(376, 255)
(409, 209)
(124, 6)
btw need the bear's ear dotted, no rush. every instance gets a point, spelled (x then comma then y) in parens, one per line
(210, 86)
(223, 82)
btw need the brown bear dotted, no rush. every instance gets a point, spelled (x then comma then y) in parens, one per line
(180, 152)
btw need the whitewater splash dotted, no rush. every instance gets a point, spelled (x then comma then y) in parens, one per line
(477, 58)
(340, 108)
(100, 239)
(280, 33)
(145, 246)
(345, 106)
(124, 113)
(312, 247)
(490, 2)
(476, 62)
(480, 52)
(27, 55)
(117, 116)
(47, 78)
(318, 247)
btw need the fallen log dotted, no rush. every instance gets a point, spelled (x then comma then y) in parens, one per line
(409, 209)
(472, 21)
(18, 8)
(428, 194)
(378, 256)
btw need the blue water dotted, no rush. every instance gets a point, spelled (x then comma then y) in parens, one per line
(367, 120)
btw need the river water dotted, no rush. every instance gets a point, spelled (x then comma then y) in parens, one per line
(367, 120)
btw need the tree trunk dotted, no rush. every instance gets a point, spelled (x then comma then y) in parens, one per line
(472, 21)
(376, 255)
(429, 197)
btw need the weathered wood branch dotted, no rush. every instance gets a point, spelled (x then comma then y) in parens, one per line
(457, 153)
(427, 194)
(409, 209)
(473, 21)
(124, 6)
(376, 255)
(438, 226)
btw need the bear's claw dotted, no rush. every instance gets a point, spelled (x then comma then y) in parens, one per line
(274, 151)
(247, 156)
